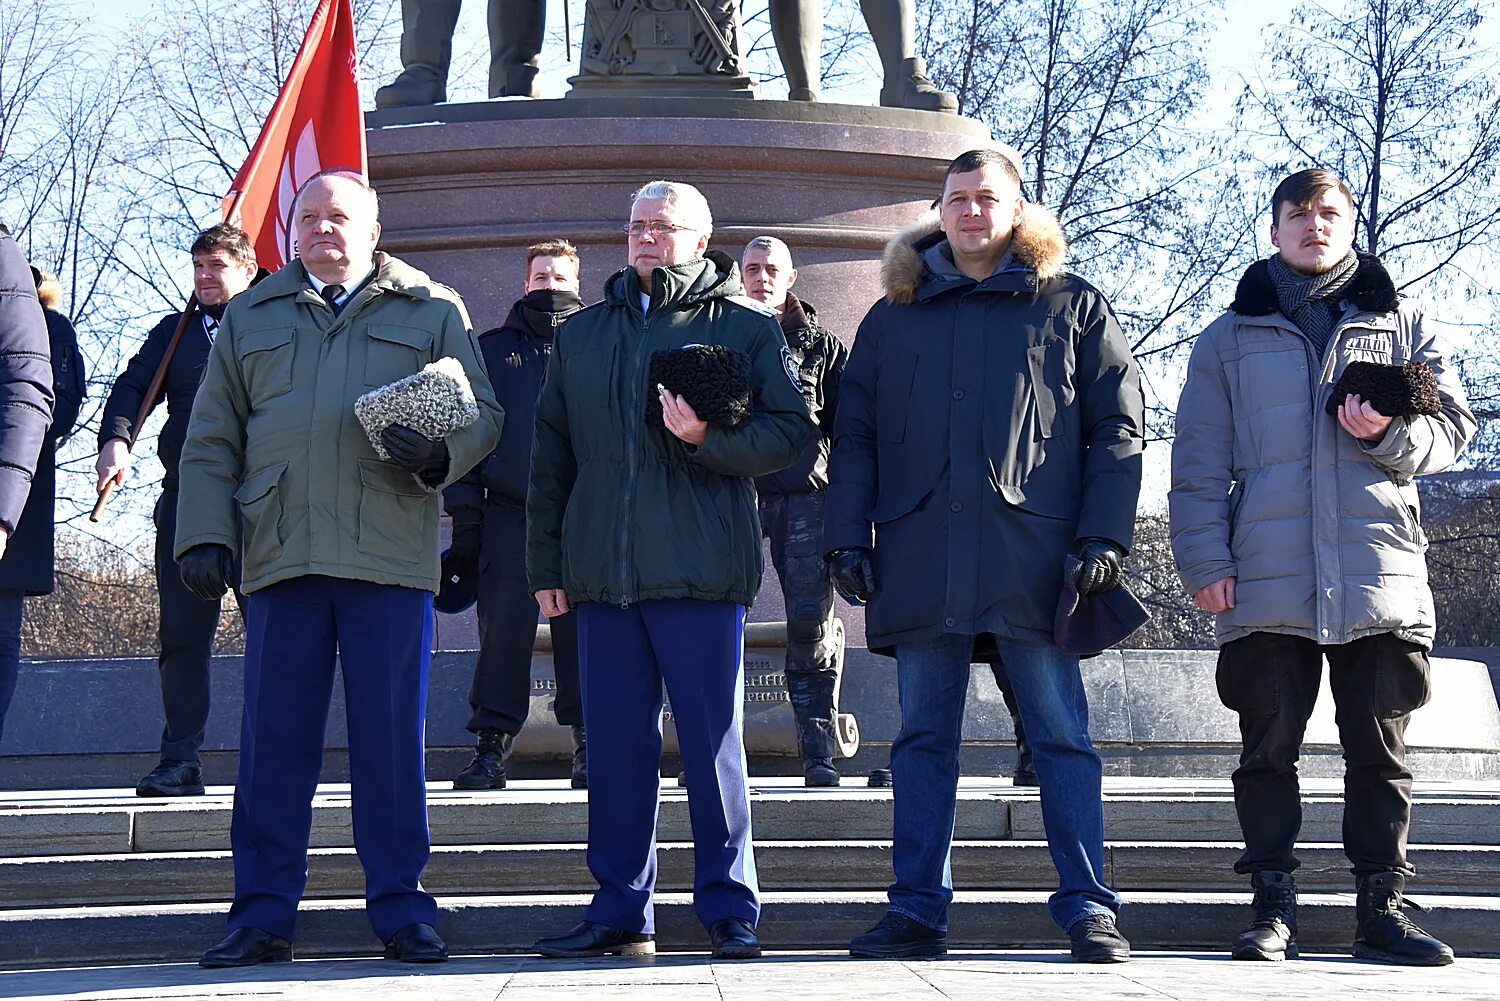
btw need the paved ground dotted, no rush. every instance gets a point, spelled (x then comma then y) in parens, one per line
(800, 976)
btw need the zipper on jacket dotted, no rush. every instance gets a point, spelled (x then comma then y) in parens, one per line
(632, 458)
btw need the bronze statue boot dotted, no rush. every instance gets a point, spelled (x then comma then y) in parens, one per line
(514, 81)
(416, 86)
(912, 89)
(802, 94)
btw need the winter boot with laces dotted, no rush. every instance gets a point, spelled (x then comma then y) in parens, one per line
(487, 770)
(1384, 933)
(1272, 936)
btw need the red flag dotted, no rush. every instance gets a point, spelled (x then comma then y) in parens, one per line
(315, 124)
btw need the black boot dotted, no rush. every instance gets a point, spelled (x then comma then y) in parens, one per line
(1384, 933)
(580, 758)
(1272, 935)
(813, 708)
(487, 770)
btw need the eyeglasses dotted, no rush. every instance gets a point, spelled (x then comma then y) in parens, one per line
(656, 229)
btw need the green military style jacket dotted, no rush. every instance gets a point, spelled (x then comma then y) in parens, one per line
(276, 463)
(620, 512)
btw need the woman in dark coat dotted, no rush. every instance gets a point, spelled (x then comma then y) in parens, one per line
(27, 444)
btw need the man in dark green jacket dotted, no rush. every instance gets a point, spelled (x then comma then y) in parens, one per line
(653, 533)
(339, 555)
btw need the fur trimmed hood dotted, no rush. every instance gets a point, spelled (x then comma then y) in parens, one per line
(1370, 290)
(1038, 243)
(48, 288)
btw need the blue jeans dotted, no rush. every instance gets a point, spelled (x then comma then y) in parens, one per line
(933, 681)
(12, 603)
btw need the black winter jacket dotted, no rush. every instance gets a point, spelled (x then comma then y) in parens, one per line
(183, 376)
(620, 511)
(25, 382)
(984, 428)
(819, 358)
(515, 356)
(28, 561)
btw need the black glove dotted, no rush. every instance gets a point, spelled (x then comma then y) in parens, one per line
(207, 570)
(416, 453)
(853, 573)
(1101, 566)
(462, 557)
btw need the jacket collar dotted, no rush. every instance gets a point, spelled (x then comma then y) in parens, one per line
(391, 275)
(715, 275)
(798, 322)
(1038, 248)
(1369, 291)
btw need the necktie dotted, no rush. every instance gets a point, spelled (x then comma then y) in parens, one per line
(331, 294)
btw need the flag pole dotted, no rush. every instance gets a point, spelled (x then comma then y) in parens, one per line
(158, 380)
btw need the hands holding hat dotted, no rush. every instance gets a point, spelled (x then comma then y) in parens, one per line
(1101, 566)
(416, 453)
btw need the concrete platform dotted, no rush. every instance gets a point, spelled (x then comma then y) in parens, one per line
(987, 975)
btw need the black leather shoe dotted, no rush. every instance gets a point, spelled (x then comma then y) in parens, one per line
(899, 937)
(1097, 940)
(733, 938)
(881, 778)
(172, 778)
(246, 947)
(417, 943)
(487, 770)
(589, 938)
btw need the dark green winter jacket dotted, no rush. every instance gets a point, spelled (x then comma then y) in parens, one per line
(621, 512)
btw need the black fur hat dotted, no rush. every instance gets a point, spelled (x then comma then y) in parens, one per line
(714, 380)
(1393, 390)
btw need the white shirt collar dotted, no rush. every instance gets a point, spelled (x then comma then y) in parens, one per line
(349, 286)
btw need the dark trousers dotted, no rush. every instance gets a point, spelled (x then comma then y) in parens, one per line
(814, 639)
(382, 636)
(12, 606)
(1271, 680)
(500, 696)
(186, 635)
(697, 648)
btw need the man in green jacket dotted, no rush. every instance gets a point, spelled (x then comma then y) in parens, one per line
(652, 532)
(339, 555)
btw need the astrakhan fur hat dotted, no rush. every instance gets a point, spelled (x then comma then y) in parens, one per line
(436, 401)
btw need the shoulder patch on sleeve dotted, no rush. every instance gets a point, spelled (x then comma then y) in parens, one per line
(749, 303)
(789, 365)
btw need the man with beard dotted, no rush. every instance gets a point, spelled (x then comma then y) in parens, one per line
(488, 507)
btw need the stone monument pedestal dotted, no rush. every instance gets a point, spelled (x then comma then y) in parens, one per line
(464, 188)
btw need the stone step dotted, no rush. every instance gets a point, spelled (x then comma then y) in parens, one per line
(496, 870)
(819, 920)
(544, 813)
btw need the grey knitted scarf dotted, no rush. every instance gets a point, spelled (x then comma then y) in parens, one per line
(1311, 301)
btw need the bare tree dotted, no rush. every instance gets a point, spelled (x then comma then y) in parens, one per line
(1400, 98)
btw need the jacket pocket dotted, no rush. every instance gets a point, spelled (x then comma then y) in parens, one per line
(265, 358)
(394, 352)
(1041, 391)
(259, 499)
(893, 395)
(391, 507)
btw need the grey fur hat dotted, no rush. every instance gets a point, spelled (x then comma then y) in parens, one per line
(436, 401)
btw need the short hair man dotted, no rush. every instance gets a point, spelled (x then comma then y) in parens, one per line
(1298, 529)
(223, 267)
(340, 557)
(967, 467)
(651, 532)
(488, 506)
(791, 512)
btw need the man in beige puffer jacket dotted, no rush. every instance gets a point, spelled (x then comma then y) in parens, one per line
(1300, 530)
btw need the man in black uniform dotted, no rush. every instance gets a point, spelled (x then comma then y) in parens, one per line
(489, 530)
(791, 511)
(223, 266)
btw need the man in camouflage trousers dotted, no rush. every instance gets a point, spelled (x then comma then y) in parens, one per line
(791, 512)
